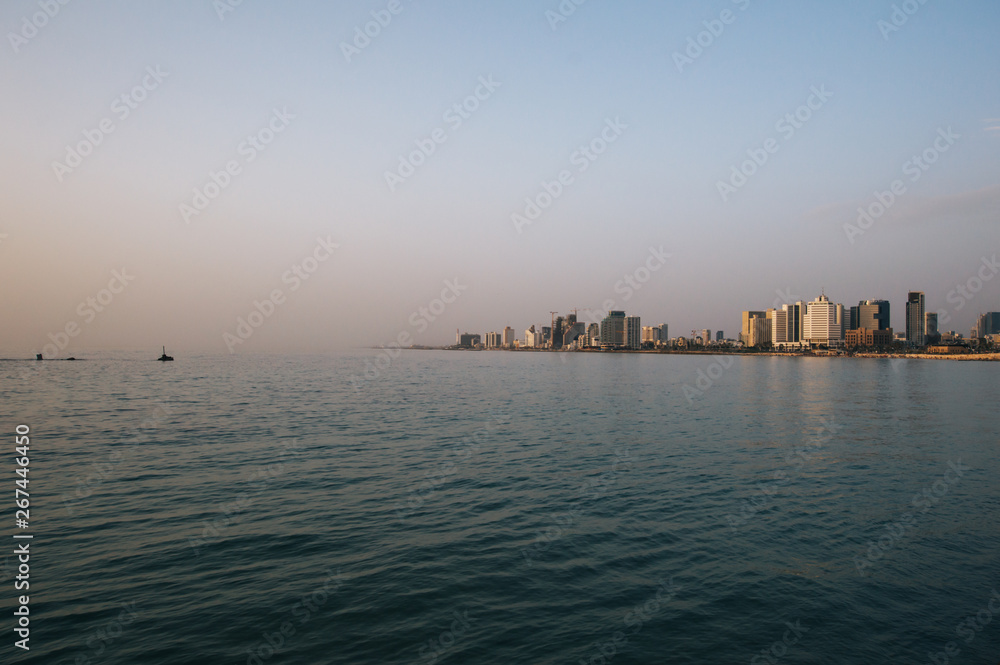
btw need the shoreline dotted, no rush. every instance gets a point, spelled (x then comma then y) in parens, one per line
(982, 357)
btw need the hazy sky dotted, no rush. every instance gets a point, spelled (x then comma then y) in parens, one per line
(331, 112)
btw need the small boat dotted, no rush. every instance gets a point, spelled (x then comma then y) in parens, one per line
(165, 358)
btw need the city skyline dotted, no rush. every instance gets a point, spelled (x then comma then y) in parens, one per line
(787, 325)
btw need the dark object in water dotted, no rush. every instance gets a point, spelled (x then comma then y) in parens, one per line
(165, 357)
(38, 356)
(71, 358)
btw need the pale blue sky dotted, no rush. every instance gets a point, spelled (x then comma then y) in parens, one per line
(324, 175)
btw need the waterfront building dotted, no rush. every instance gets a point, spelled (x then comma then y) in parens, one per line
(633, 332)
(533, 339)
(508, 337)
(931, 334)
(986, 324)
(613, 330)
(867, 337)
(870, 314)
(748, 316)
(915, 318)
(594, 335)
(469, 341)
(823, 324)
(494, 340)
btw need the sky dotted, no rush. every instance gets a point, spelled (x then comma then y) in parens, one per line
(262, 176)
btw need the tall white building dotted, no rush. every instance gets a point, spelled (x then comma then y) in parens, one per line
(823, 323)
(650, 334)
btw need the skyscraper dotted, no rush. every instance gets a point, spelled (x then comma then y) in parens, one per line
(931, 335)
(871, 315)
(986, 324)
(824, 323)
(557, 333)
(748, 316)
(633, 332)
(915, 318)
(508, 337)
(613, 330)
(787, 324)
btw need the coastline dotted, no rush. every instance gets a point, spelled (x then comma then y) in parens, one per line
(983, 357)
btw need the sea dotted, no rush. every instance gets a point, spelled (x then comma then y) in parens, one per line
(439, 507)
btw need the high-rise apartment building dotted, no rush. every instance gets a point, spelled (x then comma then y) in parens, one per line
(633, 332)
(508, 337)
(823, 324)
(871, 315)
(746, 323)
(719, 336)
(664, 333)
(593, 335)
(787, 323)
(915, 318)
(613, 330)
(931, 335)
(986, 324)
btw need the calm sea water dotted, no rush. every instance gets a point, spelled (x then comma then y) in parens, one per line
(508, 508)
